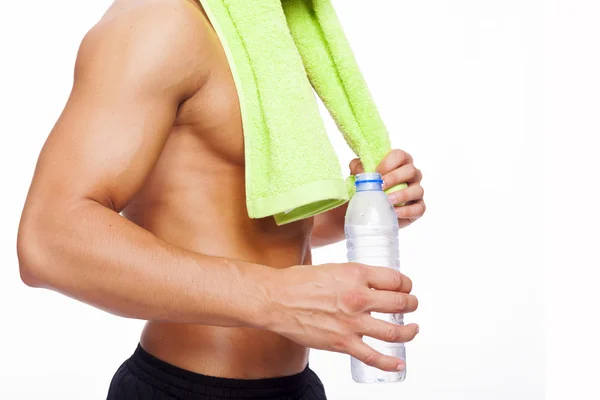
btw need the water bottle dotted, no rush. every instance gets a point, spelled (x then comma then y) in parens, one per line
(371, 228)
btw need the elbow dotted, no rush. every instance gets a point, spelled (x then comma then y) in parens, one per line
(32, 256)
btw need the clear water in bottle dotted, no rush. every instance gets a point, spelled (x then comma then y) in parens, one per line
(371, 228)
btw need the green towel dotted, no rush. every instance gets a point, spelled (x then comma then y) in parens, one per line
(278, 51)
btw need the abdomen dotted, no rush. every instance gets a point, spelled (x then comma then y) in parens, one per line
(200, 206)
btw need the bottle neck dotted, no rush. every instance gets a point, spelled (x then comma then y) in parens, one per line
(369, 181)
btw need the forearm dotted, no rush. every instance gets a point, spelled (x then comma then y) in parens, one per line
(95, 255)
(329, 227)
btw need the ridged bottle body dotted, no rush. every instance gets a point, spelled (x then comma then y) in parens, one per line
(371, 228)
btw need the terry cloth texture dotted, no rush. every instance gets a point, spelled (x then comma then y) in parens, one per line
(279, 51)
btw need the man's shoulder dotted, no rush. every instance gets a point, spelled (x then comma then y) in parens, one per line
(157, 22)
(167, 13)
(151, 37)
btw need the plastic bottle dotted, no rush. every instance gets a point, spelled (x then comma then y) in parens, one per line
(371, 228)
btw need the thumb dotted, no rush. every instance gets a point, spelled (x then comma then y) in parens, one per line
(356, 167)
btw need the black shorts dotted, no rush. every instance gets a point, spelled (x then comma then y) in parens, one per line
(145, 377)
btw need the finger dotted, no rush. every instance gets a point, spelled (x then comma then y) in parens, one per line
(413, 192)
(388, 302)
(361, 351)
(403, 223)
(356, 167)
(389, 332)
(404, 174)
(411, 211)
(393, 160)
(384, 278)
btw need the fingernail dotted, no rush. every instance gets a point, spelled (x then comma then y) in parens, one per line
(393, 198)
(401, 366)
(417, 329)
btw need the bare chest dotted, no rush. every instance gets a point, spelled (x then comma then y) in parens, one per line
(213, 117)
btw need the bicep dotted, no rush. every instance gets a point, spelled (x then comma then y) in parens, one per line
(104, 144)
(129, 82)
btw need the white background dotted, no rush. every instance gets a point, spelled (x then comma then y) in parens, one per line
(476, 90)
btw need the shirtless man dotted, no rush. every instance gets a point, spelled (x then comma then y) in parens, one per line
(152, 131)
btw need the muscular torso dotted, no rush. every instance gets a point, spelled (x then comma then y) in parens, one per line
(195, 199)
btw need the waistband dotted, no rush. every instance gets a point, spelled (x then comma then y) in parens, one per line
(163, 375)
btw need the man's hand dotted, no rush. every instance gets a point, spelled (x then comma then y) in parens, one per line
(328, 307)
(396, 168)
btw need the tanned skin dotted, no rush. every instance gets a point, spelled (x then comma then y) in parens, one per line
(137, 207)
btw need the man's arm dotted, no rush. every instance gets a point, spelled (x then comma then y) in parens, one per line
(131, 75)
(397, 167)
(329, 227)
